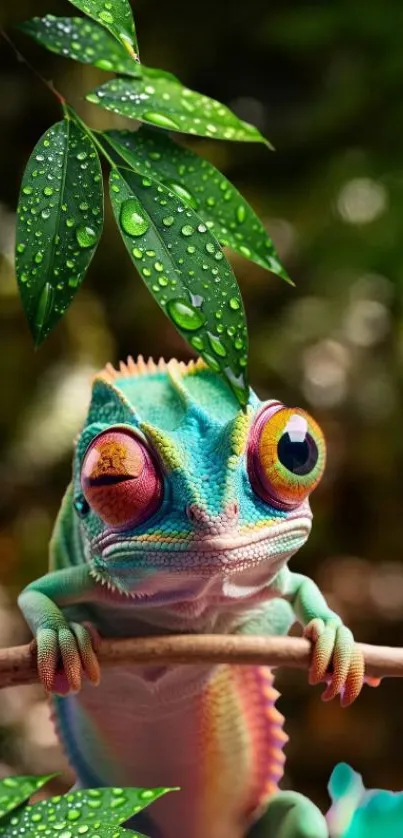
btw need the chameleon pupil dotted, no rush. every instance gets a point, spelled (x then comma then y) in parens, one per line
(298, 457)
(81, 506)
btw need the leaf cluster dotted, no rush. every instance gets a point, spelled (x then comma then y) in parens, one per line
(174, 210)
(93, 813)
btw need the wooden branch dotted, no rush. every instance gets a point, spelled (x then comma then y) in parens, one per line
(18, 664)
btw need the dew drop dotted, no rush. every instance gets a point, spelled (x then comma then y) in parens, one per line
(45, 214)
(103, 64)
(213, 364)
(27, 190)
(240, 214)
(187, 230)
(158, 267)
(137, 253)
(245, 251)
(21, 247)
(217, 346)
(132, 218)
(168, 221)
(86, 236)
(161, 120)
(45, 306)
(38, 257)
(234, 304)
(182, 193)
(106, 17)
(185, 315)
(197, 342)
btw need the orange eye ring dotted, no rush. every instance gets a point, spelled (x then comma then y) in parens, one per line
(286, 455)
(120, 479)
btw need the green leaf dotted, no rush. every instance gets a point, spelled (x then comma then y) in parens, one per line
(186, 271)
(15, 790)
(60, 219)
(167, 104)
(82, 40)
(101, 810)
(203, 188)
(116, 16)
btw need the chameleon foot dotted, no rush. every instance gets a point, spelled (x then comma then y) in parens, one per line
(290, 815)
(334, 647)
(64, 652)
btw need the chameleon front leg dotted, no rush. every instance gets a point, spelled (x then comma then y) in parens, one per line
(333, 642)
(57, 640)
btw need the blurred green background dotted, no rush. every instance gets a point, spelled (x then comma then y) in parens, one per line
(324, 81)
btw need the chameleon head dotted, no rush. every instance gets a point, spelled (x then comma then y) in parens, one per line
(186, 502)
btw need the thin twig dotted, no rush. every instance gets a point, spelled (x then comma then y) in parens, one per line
(18, 664)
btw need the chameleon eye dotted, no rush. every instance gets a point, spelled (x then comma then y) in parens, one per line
(120, 480)
(286, 455)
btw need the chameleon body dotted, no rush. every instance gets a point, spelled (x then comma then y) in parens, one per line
(181, 517)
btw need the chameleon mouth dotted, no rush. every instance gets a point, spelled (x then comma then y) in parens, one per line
(217, 568)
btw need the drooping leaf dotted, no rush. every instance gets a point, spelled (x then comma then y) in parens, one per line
(60, 219)
(115, 15)
(167, 104)
(98, 829)
(15, 790)
(203, 188)
(186, 271)
(100, 810)
(83, 40)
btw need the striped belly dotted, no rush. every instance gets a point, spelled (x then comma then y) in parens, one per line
(220, 741)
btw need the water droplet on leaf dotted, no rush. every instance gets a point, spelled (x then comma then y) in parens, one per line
(187, 230)
(185, 315)
(132, 218)
(106, 17)
(182, 193)
(161, 120)
(217, 346)
(86, 236)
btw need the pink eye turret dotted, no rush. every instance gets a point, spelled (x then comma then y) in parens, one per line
(120, 479)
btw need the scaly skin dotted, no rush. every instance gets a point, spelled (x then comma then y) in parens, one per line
(182, 516)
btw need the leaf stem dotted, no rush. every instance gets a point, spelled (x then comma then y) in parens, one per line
(23, 60)
(70, 112)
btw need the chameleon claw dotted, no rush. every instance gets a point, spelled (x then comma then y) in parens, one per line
(87, 639)
(63, 654)
(334, 648)
(355, 678)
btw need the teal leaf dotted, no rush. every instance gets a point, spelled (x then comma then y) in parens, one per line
(186, 272)
(82, 40)
(100, 810)
(114, 15)
(15, 790)
(202, 187)
(164, 103)
(60, 220)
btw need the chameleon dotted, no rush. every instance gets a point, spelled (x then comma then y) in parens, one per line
(183, 512)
